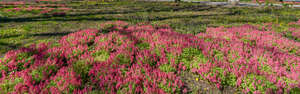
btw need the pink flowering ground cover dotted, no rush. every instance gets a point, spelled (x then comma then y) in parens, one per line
(294, 31)
(120, 58)
(42, 7)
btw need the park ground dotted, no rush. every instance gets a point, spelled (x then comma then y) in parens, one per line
(23, 28)
(19, 29)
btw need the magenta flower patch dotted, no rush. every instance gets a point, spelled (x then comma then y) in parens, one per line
(142, 58)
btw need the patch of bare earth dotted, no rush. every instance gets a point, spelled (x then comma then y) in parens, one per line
(197, 86)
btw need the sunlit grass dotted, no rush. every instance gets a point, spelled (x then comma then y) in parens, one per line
(22, 28)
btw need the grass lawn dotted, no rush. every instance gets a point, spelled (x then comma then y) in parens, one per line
(23, 28)
(19, 29)
(221, 0)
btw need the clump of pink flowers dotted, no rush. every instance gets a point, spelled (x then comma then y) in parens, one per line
(13, 3)
(294, 32)
(29, 7)
(116, 58)
(142, 58)
(255, 60)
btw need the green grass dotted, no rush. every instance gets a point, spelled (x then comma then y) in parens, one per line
(221, 0)
(24, 28)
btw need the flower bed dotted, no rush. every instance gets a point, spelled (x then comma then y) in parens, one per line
(13, 8)
(123, 58)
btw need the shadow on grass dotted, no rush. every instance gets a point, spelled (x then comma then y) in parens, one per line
(47, 34)
(51, 34)
(59, 34)
(102, 19)
(4, 47)
(8, 45)
(70, 17)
